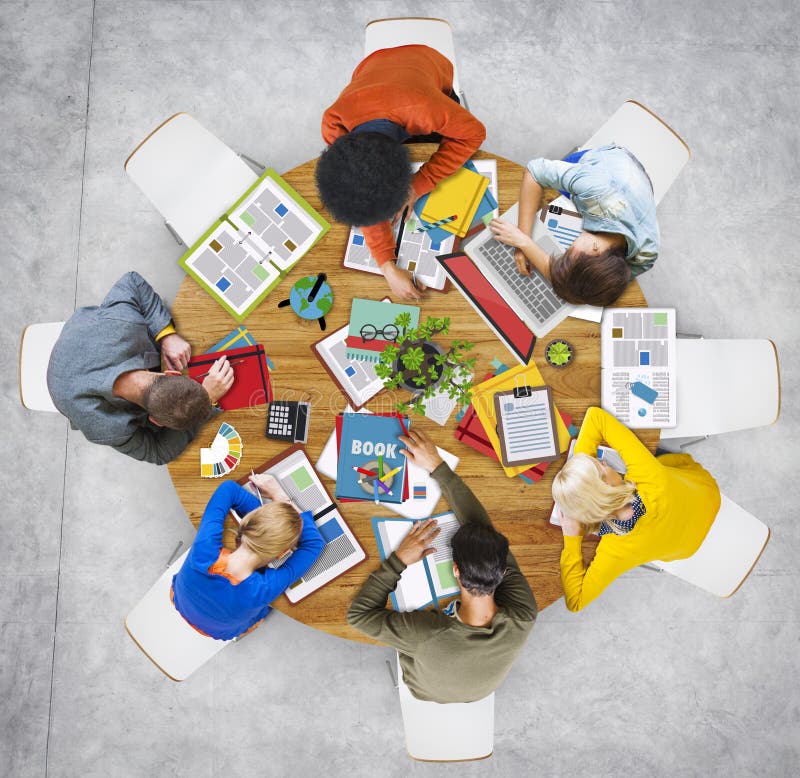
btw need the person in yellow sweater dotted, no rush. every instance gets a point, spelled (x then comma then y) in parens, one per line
(662, 509)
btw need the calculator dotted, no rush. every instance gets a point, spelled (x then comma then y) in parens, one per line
(288, 420)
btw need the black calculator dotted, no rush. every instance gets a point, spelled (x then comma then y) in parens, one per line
(288, 420)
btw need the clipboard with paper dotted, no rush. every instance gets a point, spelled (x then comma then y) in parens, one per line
(526, 425)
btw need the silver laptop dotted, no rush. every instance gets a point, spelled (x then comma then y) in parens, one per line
(531, 297)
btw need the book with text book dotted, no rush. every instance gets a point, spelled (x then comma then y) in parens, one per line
(245, 254)
(251, 384)
(458, 195)
(431, 579)
(370, 444)
(372, 327)
(300, 481)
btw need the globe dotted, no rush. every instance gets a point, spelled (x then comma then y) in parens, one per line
(316, 308)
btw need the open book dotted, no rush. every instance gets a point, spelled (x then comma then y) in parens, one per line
(429, 580)
(637, 366)
(245, 254)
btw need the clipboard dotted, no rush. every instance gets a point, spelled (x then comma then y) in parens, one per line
(526, 425)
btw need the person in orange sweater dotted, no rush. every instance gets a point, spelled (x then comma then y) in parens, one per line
(662, 509)
(364, 176)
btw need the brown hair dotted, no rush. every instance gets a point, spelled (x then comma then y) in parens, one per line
(177, 402)
(270, 530)
(580, 278)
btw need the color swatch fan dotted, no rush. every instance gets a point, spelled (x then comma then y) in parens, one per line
(224, 454)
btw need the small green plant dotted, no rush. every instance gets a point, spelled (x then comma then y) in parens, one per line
(416, 363)
(558, 353)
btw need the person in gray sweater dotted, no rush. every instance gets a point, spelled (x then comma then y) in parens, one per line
(101, 375)
(465, 656)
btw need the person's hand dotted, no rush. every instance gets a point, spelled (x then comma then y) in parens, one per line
(570, 527)
(175, 351)
(270, 487)
(219, 379)
(523, 263)
(509, 233)
(409, 203)
(401, 284)
(420, 450)
(415, 544)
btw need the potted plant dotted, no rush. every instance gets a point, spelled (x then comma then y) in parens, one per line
(558, 353)
(416, 363)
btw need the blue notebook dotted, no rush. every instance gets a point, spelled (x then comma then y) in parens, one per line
(366, 438)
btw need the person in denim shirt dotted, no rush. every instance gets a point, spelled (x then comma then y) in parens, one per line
(613, 194)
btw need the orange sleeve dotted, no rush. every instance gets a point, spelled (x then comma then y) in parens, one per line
(380, 242)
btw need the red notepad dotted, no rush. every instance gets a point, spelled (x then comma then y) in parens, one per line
(470, 431)
(251, 385)
(339, 420)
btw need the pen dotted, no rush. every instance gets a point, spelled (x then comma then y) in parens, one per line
(203, 375)
(258, 491)
(400, 232)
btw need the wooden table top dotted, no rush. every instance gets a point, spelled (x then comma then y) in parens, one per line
(519, 510)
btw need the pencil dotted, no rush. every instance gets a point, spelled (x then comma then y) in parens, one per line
(438, 223)
(364, 472)
(203, 375)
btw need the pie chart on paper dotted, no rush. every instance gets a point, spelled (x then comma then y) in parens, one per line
(223, 455)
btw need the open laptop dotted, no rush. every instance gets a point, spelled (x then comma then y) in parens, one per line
(531, 297)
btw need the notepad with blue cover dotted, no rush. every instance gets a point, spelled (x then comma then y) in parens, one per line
(365, 437)
(431, 579)
(238, 337)
(375, 316)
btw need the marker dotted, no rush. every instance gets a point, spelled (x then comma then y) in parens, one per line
(439, 223)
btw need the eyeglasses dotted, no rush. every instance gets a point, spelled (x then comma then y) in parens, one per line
(387, 332)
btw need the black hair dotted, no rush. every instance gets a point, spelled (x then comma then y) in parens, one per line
(579, 278)
(364, 178)
(480, 552)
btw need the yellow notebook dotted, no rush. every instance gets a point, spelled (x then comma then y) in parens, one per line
(458, 194)
(483, 402)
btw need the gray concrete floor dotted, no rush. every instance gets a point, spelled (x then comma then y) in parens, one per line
(655, 678)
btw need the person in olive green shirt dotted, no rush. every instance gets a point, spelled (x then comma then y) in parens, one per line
(465, 656)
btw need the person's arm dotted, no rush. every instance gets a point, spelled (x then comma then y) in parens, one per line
(309, 547)
(600, 427)
(156, 445)
(462, 135)
(368, 612)
(208, 541)
(133, 291)
(462, 501)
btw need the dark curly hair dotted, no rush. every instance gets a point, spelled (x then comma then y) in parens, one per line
(364, 178)
(579, 278)
(480, 552)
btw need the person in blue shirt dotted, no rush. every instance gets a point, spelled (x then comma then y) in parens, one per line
(224, 593)
(614, 195)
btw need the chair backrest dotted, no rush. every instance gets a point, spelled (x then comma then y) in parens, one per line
(657, 146)
(453, 732)
(725, 385)
(34, 356)
(728, 554)
(176, 648)
(189, 175)
(436, 33)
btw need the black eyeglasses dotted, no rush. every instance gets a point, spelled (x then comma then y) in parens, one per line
(388, 332)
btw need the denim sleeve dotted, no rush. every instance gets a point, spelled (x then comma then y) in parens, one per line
(553, 173)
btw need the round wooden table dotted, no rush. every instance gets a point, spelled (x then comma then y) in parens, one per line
(519, 510)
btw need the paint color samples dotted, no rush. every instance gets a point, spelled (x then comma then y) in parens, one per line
(223, 455)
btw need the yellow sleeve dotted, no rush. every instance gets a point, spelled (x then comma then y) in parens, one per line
(168, 330)
(600, 427)
(583, 584)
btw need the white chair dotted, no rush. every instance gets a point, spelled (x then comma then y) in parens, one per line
(189, 175)
(725, 385)
(657, 146)
(728, 554)
(435, 33)
(174, 647)
(452, 732)
(34, 356)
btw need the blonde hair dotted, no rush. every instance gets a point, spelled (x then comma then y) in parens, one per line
(582, 494)
(270, 530)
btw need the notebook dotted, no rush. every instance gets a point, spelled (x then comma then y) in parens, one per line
(301, 482)
(372, 327)
(251, 384)
(459, 194)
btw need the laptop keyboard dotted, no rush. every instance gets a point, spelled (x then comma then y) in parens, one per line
(532, 291)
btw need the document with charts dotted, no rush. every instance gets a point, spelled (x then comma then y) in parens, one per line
(638, 366)
(245, 254)
(429, 580)
(300, 481)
